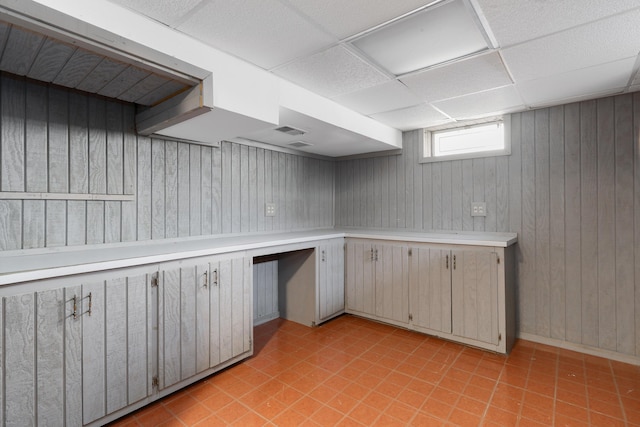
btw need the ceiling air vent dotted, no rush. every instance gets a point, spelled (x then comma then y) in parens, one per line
(299, 144)
(290, 131)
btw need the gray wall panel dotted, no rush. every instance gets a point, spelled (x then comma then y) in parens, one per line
(570, 189)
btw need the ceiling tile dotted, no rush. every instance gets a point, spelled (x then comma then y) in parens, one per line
(490, 102)
(347, 18)
(168, 12)
(388, 96)
(586, 83)
(264, 32)
(604, 41)
(513, 22)
(460, 78)
(419, 116)
(333, 72)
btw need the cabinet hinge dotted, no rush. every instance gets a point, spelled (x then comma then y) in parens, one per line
(410, 251)
(410, 317)
(498, 258)
(154, 280)
(499, 337)
(155, 382)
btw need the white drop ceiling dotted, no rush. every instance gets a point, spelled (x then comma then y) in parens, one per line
(540, 53)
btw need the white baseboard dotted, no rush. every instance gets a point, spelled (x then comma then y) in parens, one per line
(593, 351)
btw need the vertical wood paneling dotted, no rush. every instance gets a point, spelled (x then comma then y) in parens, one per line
(244, 210)
(158, 189)
(490, 194)
(19, 360)
(115, 149)
(216, 191)
(527, 300)
(137, 309)
(606, 224)
(50, 361)
(56, 222)
(431, 190)
(72, 358)
(37, 146)
(207, 214)
(97, 146)
(115, 344)
(79, 143)
(170, 328)
(467, 194)
(624, 218)
(188, 287)
(542, 189)
(557, 298)
(76, 218)
(502, 193)
(113, 222)
(252, 206)
(93, 352)
(214, 311)
(589, 222)
(95, 222)
(144, 188)
(225, 309)
(202, 317)
(446, 196)
(171, 189)
(184, 196)
(234, 181)
(195, 190)
(456, 195)
(34, 224)
(12, 134)
(573, 245)
(59, 141)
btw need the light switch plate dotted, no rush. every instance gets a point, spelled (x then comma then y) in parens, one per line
(270, 209)
(478, 209)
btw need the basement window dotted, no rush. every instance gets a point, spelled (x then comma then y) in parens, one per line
(466, 142)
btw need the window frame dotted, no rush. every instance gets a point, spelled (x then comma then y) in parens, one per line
(426, 142)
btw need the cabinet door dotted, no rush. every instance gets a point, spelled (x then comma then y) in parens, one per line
(115, 318)
(184, 337)
(430, 288)
(360, 281)
(231, 309)
(392, 282)
(475, 295)
(331, 279)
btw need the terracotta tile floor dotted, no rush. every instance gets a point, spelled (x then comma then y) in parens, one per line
(353, 372)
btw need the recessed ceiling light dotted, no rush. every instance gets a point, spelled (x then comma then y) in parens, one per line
(440, 33)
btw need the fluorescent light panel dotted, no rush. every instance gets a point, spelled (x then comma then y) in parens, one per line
(435, 35)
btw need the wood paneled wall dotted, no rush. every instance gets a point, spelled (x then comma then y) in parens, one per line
(570, 189)
(58, 141)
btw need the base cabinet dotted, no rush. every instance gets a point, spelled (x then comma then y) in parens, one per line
(330, 262)
(461, 293)
(82, 350)
(377, 280)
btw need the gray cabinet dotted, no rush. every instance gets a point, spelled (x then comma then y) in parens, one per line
(458, 292)
(377, 280)
(76, 348)
(204, 316)
(85, 349)
(330, 280)
(430, 288)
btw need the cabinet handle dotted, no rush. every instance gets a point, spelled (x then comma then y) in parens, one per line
(90, 303)
(75, 306)
(454, 262)
(324, 256)
(215, 277)
(376, 254)
(206, 279)
(446, 263)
